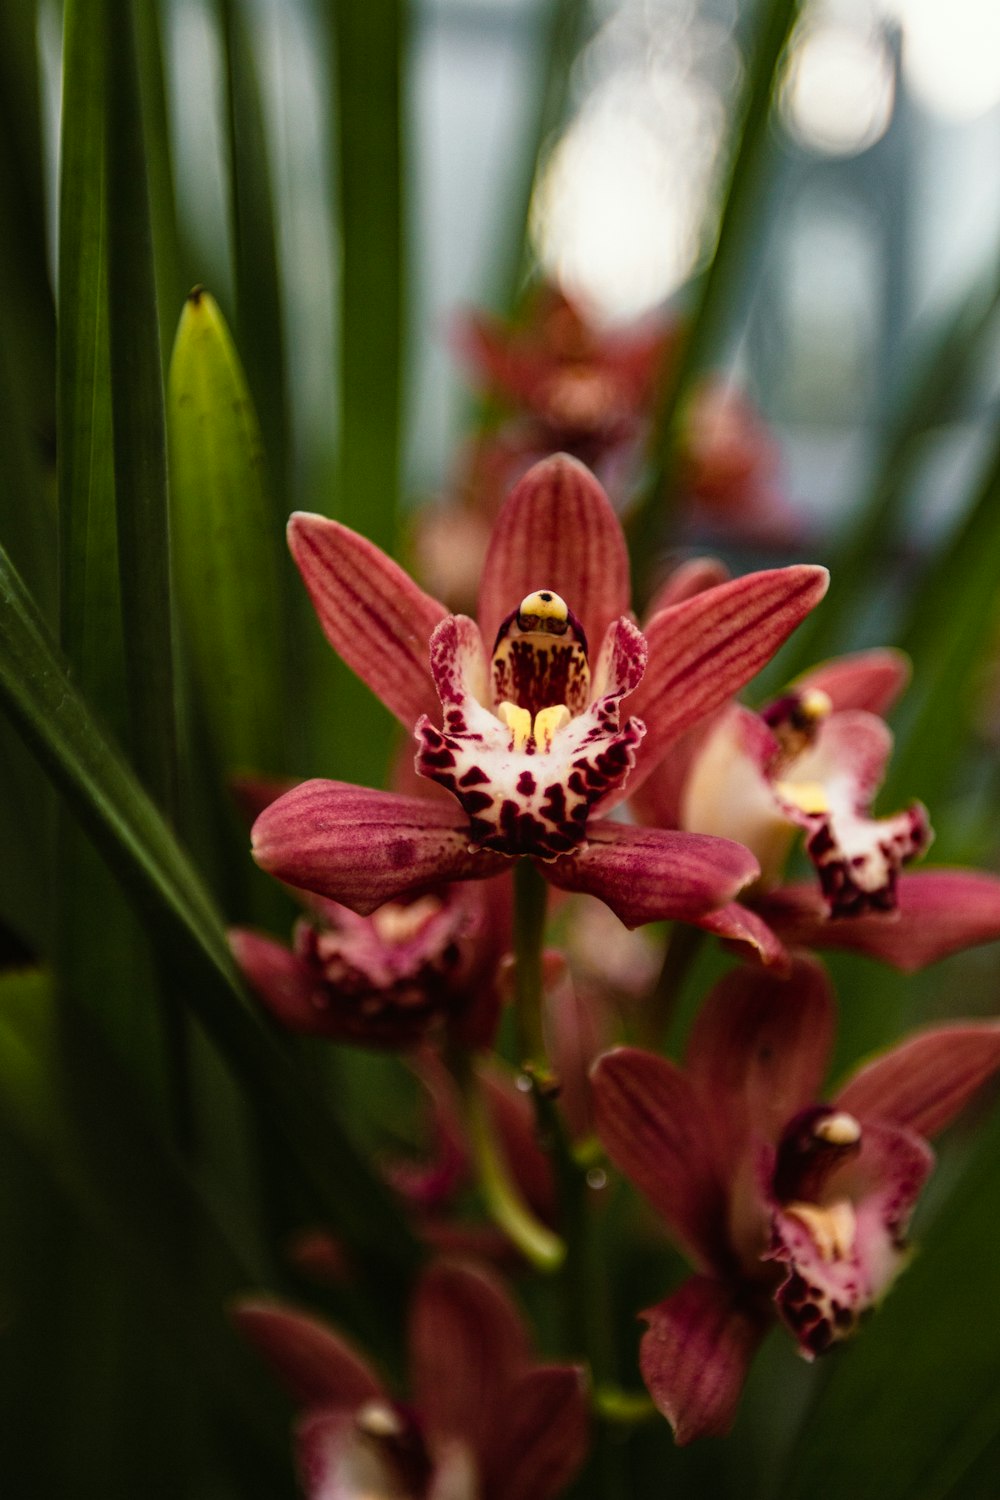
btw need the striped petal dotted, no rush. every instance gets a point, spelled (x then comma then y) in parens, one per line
(696, 1354)
(468, 1343)
(556, 531)
(317, 1366)
(363, 847)
(702, 651)
(652, 874)
(939, 912)
(372, 613)
(759, 1050)
(747, 935)
(924, 1082)
(870, 680)
(651, 1122)
(543, 1439)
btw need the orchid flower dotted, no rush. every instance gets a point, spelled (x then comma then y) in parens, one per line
(529, 737)
(586, 388)
(483, 1421)
(389, 979)
(812, 761)
(786, 1207)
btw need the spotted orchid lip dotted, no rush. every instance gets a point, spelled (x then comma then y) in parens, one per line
(528, 770)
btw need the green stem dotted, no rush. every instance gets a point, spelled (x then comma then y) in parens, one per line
(530, 899)
(683, 946)
(504, 1202)
(623, 1408)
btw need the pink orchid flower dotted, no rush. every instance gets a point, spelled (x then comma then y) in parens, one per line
(785, 1207)
(529, 738)
(411, 969)
(586, 388)
(485, 1423)
(813, 761)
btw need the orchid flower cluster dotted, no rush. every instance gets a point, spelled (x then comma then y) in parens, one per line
(556, 381)
(556, 736)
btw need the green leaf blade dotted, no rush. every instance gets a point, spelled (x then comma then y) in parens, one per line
(225, 544)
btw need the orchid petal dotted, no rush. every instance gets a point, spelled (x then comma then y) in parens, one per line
(758, 1051)
(468, 1342)
(318, 1367)
(556, 531)
(339, 1462)
(691, 577)
(283, 981)
(649, 874)
(695, 1356)
(372, 613)
(513, 1120)
(362, 847)
(651, 1122)
(939, 912)
(703, 650)
(746, 934)
(870, 680)
(924, 1082)
(543, 1439)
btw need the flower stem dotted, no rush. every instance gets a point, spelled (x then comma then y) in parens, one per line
(530, 899)
(683, 946)
(503, 1200)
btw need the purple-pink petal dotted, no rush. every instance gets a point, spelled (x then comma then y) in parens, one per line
(691, 577)
(939, 912)
(363, 847)
(747, 935)
(652, 1123)
(540, 1435)
(556, 531)
(705, 649)
(870, 680)
(649, 874)
(759, 1050)
(695, 1356)
(372, 613)
(317, 1366)
(924, 1082)
(282, 980)
(467, 1343)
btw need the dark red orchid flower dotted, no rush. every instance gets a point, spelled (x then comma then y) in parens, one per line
(481, 1419)
(786, 1207)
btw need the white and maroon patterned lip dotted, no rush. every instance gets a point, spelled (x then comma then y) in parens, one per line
(529, 768)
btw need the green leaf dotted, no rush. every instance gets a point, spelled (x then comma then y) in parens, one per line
(152, 866)
(950, 630)
(943, 360)
(259, 312)
(226, 545)
(369, 48)
(138, 420)
(563, 26)
(743, 195)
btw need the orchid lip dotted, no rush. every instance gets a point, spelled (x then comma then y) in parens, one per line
(530, 758)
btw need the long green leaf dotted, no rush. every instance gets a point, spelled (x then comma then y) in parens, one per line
(563, 28)
(226, 545)
(743, 195)
(139, 846)
(944, 361)
(259, 312)
(369, 44)
(138, 420)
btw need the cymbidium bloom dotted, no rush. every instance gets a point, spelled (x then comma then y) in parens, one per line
(813, 761)
(786, 1207)
(529, 738)
(409, 970)
(483, 1421)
